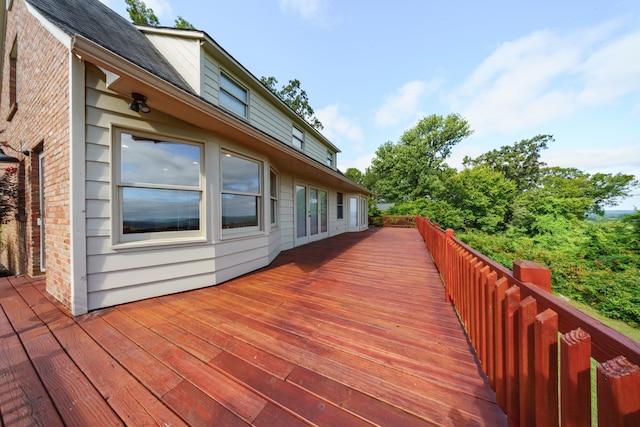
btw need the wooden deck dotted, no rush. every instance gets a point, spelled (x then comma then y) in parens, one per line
(352, 330)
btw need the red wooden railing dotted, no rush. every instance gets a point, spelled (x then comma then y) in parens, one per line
(513, 323)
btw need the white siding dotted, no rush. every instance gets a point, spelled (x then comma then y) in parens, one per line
(263, 114)
(210, 79)
(183, 54)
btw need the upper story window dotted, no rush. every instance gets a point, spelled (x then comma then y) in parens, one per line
(13, 80)
(159, 187)
(329, 158)
(297, 138)
(273, 193)
(241, 193)
(233, 96)
(340, 205)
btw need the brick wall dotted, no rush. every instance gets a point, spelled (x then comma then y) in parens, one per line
(41, 124)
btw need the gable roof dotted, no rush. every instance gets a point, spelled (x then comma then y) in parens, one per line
(96, 22)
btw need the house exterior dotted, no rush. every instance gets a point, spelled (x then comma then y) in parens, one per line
(157, 163)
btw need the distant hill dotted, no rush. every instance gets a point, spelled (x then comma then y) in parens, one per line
(612, 214)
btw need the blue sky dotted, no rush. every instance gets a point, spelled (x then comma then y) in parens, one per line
(373, 68)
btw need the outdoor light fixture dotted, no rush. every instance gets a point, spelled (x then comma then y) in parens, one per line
(139, 103)
(5, 158)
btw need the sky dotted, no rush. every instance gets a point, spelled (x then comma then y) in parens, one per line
(372, 69)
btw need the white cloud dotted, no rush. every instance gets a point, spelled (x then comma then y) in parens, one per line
(618, 158)
(404, 105)
(313, 11)
(612, 71)
(361, 163)
(338, 127)
(545, 76)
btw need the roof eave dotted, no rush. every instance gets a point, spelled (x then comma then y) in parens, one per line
(196, 110)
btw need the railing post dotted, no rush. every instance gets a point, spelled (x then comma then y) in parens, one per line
(575, 383)
(618, 391)
(512, 300)
(500, 288)
(448, 234)
(546, 384)
(532, 272)
(527, 310)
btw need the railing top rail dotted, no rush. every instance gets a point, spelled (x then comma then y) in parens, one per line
(607, 343)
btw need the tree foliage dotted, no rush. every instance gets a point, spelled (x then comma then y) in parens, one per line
(182, 23)
(295, 97)
(355, 175)
(413, 167)
(519, 162)
(141, 14)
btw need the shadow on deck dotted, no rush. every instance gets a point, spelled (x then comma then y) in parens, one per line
(352, 330)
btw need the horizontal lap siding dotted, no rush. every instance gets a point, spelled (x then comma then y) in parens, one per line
(210, 79)
(184, 55)
(286, 211)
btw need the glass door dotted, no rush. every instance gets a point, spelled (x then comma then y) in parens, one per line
(312, 214)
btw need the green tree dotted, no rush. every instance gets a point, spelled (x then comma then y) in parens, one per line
(484, 196)
(413, 168)
(141, 14)
(295, 97)
(182, 23)
(355, 175)
(519, 162)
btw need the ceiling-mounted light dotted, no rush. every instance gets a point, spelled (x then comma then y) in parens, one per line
(139, 103)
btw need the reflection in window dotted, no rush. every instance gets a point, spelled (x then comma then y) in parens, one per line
(159, 187)
(233, 96)
(241, 192)
(147, 210)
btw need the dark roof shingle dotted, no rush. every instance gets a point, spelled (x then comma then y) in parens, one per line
(96, 22)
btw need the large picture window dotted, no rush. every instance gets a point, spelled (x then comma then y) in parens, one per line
(241, 193)
(159, 184)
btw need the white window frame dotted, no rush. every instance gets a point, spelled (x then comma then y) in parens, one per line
(237, 86)
(297, 141)
(274, 196)
(329, 158)
(160, 237)
(339, 205)
(234, 232)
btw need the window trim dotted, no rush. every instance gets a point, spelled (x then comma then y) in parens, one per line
(159, 238)
(339, 205)
(243, 231)
(295, 138)
(274, 198)
(329, 160)
(235, 82)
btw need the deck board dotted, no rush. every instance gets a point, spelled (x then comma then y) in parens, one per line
(351, 330)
